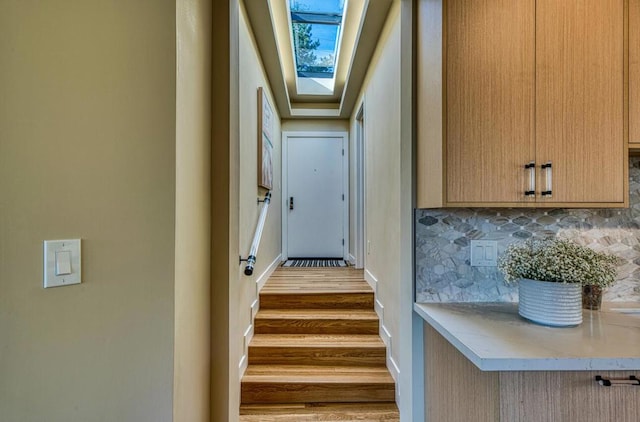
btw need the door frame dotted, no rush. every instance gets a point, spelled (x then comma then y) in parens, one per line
(359, 208)
(345, 184)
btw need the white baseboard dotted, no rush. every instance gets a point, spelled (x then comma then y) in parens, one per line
(352, 260)
(395, 374)
(260, 281)
(255, 305)
(379, 308)
(254, 309)
(244, 360)
(372, 280)
(385, 335)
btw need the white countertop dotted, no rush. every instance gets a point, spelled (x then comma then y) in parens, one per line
(495, 338)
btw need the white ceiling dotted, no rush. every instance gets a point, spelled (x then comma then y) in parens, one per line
(362, 25)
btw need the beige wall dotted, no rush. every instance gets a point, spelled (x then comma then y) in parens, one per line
(315, 125)
(193, 211)
(243, 290)
(252, 76)
(381, 97)
(87, 150)
(224, 204)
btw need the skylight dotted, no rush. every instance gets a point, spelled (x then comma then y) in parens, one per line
(315, 30)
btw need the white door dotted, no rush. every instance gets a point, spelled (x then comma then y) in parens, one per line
(315, 201)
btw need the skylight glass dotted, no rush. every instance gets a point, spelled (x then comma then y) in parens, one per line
(316, 32)
(318, 6)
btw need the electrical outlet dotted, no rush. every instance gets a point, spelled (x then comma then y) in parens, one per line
(484, 253)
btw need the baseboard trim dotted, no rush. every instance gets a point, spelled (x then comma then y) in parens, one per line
(372, 280)
(260, 281)
(244, 360)
(379, 308)
(385, 335)
(395, 374)
(352, 260)
(255, 305)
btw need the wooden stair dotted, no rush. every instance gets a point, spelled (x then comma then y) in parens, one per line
(311, 384)
(318, 349)
(316, 321)
(369, 412)
(316, 354)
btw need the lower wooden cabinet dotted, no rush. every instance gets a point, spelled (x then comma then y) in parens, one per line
(456, 390)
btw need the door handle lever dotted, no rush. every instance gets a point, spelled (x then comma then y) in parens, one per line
(291, 202)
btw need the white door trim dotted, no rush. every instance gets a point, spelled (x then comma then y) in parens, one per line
(345, 184)
(360, 189)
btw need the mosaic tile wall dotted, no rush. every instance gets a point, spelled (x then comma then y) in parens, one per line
(444, 272)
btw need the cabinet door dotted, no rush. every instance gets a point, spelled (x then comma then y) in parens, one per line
(634, 73)
(579, 99)
(489, 65)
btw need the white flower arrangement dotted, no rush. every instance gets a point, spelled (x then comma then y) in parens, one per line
(557, 260)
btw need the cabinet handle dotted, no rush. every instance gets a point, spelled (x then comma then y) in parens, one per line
(531, 168)
(548, 171)
(632, 381)
(291, 202)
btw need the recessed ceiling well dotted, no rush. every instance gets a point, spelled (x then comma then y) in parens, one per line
(316, 52)
(315, 28)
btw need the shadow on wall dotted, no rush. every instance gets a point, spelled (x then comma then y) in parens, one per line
(443, 270)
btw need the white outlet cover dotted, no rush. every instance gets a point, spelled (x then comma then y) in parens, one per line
(484, 253)
(51, 247)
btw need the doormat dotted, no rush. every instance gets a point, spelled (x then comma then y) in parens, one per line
(299, 263)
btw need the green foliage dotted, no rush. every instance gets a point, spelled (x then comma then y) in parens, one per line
(327, 61)
(557, 260)
(305, 45)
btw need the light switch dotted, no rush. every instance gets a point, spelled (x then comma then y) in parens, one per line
(484, 253)
(62, 262)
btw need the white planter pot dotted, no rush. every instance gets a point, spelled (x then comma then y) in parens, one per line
(553, 304)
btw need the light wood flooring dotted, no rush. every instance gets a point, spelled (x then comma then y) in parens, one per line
(316, 354)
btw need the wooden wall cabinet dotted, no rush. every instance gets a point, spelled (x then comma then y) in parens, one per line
(521, 81)
(634, 74)
(456, 390)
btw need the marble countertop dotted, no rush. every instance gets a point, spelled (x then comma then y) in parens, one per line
(495, 338)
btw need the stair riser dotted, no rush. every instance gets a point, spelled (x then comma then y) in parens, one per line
(316, 393)
(296, 412)
(307, 326)
(360, 417)
(317, 301)
(353, 356)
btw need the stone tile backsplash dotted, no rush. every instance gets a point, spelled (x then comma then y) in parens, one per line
(444, 272)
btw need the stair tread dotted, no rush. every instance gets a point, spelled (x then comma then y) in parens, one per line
(316, 290)
(317, 298)
(314, 374)
(316, 340)
(314, 314)
(315, 407)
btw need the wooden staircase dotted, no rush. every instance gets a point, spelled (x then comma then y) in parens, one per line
(316, 354)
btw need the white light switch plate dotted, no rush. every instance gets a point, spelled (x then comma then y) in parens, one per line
(62, 249)
(484, 253)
